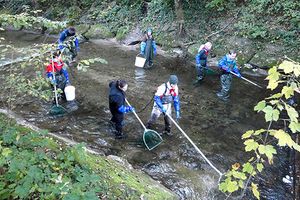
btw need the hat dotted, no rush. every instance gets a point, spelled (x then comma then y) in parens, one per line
(173, 79)
(149, 30)
(72, 30)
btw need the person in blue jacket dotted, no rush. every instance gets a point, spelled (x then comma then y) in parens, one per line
(163, 98)
(228, 65)
(117, 105)
(74, 47)
(148, 48)
(201, 61)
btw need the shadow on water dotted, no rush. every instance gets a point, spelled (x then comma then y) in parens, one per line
(216, 127)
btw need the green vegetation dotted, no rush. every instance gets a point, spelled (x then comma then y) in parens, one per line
(35, 166)
(262, 21)
(262, 143)
(28, 21)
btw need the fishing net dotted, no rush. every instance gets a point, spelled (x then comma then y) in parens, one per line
(210, 72)
(151, 139)
(57, 110)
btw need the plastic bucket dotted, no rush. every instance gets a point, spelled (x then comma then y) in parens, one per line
(70, 92)
(139, 61)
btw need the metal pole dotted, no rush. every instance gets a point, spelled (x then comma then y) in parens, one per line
(53, 74)
(199, 151)
(136, 116)
(246, 79)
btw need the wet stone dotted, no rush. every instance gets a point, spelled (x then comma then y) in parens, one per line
(158, 170)
(204, 126)
(164, 155)
(101, 142)
(181, 188)
(192, 164)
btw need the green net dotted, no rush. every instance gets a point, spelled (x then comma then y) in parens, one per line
(210, 72)
(57, 110)
(151, 139)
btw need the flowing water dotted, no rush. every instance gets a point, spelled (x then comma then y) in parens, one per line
(215, 126)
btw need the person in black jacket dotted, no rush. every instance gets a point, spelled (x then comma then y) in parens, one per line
(117, 105)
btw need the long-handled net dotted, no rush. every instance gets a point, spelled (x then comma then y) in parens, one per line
(56, 109)
(151, 138)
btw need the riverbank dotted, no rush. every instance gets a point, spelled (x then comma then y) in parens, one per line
(44, 165)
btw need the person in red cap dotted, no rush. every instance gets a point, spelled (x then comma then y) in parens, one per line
(56, 73)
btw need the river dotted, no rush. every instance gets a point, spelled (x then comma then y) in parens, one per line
(215, 126)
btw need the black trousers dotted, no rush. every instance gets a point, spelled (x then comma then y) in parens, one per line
(117, 119)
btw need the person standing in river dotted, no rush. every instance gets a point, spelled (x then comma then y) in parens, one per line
(117, 105)
(163, 98)
(148, 48)
(73, 43)
(228, 65)
(201, 61)
(57, 74)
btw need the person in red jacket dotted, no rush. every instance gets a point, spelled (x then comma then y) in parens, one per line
(56, 73)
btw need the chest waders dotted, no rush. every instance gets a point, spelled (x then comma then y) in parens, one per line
(149, 53)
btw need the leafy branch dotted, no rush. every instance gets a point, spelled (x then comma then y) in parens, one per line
(263, 142)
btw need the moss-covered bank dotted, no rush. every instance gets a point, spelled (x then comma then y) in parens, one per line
(36, 166)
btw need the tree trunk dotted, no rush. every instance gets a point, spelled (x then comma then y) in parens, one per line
(179, 16)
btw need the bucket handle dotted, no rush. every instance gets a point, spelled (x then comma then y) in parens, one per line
(139, 55)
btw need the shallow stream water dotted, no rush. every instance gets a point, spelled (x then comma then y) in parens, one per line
(215, 126)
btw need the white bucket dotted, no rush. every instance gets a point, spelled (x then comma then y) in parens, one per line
(140, 61)
(70, 92)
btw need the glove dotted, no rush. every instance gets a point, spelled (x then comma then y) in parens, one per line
(68, 83)
(228, 69)
(126, 109)
(131, 109)
(53, 81)
(61, 46)
(239, 75)
(178, 115)
(163, 109)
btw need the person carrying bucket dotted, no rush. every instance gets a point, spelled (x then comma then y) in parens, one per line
(163, 98)
(201, 61)
(148, 48)
(117, 105)
(228, 66)
(55, 68)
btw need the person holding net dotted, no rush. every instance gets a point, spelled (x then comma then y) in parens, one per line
(117, 105)
(164, 96)
(57, 74)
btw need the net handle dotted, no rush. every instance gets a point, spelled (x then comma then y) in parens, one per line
(54, 78)
(194, 145)
(136, 116)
